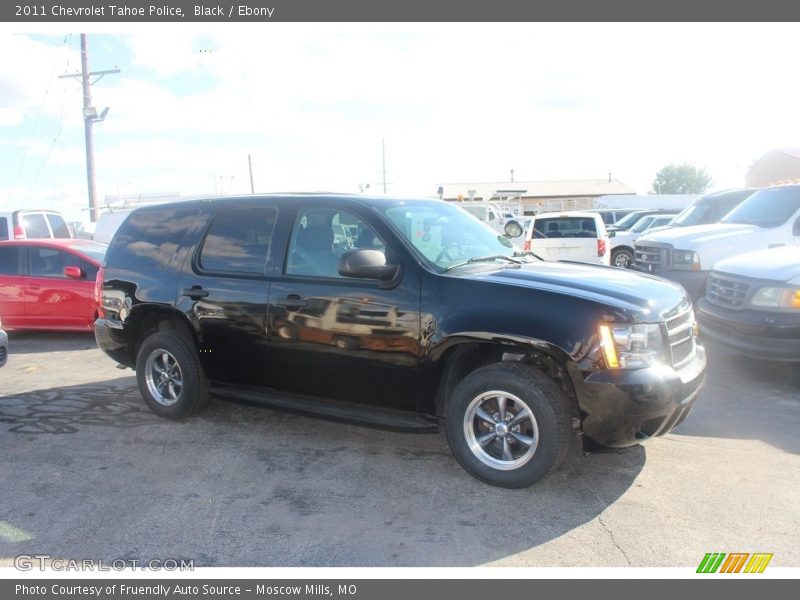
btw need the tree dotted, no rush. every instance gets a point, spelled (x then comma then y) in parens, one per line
(681, 179)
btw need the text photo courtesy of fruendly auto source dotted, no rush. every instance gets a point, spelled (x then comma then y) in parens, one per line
(342, 312)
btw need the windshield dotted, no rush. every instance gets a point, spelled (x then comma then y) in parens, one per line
(92, 249)
(770, 207)
(695, 214)
(446, 235)
(642, 224)
(629, 219)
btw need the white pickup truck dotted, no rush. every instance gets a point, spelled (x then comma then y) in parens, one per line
(769, 218)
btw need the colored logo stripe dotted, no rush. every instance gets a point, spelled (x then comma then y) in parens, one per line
(734, 563)
(758, 563)
(711, 562)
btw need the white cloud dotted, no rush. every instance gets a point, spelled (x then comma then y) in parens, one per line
(312, 102)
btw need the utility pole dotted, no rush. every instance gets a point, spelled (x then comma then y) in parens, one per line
(90, 117)
(250, 166)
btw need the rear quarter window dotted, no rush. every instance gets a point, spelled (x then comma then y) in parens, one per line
(59, 226)
(148, 239)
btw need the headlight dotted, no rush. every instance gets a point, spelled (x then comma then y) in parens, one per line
(628, 346)
(776, 297)
(686, 260)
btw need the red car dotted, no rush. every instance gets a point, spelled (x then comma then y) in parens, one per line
(49, 283)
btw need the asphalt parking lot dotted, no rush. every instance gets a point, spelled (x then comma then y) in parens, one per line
(88, 472)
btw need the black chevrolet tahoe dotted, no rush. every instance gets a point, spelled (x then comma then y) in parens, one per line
(398, 313)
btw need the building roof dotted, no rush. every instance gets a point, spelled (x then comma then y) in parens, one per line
(536, 189)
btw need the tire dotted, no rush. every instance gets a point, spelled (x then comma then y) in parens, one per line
(170, 377)
(622, 258)
(536, 444)
(289, 332)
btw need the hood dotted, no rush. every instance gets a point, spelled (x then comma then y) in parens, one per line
(650, 298)
(776, 264)
(686, 238)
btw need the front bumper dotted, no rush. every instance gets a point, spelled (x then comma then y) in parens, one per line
(111, 340)
(753, 333)
(624, 407)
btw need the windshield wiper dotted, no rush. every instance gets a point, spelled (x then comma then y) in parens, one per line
(528, 253)
(491, 257)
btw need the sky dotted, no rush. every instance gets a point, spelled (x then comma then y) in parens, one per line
(314, 105)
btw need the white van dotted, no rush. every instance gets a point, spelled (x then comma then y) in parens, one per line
(575, 236)
(107, 225)
(32, 224)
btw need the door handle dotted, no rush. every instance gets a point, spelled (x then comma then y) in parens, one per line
(195, 292)
(293, 302)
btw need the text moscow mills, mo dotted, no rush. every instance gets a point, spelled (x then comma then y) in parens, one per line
(161, 10)
(172, 591)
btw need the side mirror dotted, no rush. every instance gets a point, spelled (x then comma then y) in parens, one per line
(367, 264)
(73, 272)
(612, 233)
(513, 229)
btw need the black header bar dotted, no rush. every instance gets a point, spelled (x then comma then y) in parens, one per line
(265, 11)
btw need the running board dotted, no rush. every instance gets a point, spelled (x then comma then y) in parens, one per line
(349, 412)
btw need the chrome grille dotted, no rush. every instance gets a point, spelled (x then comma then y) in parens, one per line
(726, 292)
(652, 259)
(680, 337)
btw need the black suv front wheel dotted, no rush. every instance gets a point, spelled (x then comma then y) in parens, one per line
(170, 377)
(507, 424)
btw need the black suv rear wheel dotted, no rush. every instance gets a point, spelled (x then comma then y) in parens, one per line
(507, 424)
(170, 377)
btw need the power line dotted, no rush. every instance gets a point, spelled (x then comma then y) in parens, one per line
(65, 47)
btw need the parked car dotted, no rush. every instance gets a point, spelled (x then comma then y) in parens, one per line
(752, 304)
(612, 215)
(3, 346)
(33, 224)
(767, 219)
(631, 219)
(49, 284)
(432, 317)
(576, 236)
(622, 248)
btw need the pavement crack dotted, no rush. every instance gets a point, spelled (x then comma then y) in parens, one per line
(613, 539)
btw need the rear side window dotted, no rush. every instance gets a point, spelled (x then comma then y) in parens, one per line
(59, 226)
(564, 227)
(9, 260)
(35, 226)
(238, 241)
(4, 233)
(148, 239)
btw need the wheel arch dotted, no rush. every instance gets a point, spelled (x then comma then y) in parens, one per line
(146, 319)
(464, 353)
